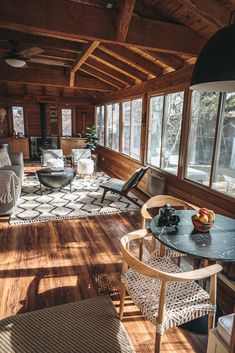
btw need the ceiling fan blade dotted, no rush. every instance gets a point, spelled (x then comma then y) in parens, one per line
(31, 51)
(47, 61)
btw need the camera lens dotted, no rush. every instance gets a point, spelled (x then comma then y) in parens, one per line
(174, 220)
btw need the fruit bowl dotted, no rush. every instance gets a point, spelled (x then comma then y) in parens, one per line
(200, 226)
(203, 220)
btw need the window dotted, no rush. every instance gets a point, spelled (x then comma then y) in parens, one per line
(112, 131)
(224, 171)
(66, 122)
(100, 124)
(131, 127)
(18, 120)
(164, 130)
(204, 111)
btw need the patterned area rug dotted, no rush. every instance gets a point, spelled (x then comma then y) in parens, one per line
(56, 204)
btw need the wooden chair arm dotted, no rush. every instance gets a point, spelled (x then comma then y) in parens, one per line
(149, 271)
(145, 214)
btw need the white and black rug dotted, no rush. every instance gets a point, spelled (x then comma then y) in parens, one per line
(55, 204)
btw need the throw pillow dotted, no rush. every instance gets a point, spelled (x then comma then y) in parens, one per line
(4, 158)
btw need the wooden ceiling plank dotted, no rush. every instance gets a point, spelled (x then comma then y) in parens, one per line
(139, 62)
(101, 76)
(89, 50)
(213, 11)
(126, 80)
(118, 65)
(95, 24)
(51, 78)
(124, 18)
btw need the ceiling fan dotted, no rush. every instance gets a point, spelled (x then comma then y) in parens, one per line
(19, 58)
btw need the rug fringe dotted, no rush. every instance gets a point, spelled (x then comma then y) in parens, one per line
(60, 218)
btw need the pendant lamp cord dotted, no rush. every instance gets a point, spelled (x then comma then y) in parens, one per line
(232, 18)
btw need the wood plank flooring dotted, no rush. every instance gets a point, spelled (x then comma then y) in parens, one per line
(51, 263)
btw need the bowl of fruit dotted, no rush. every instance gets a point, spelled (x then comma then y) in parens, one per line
(203, 220)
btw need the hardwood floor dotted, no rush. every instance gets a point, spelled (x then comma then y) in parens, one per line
(51, 263)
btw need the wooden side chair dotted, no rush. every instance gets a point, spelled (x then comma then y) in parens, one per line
(150, 244)
(166, 295)
(123, 187)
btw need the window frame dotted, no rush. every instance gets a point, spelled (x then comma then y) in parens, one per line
(24, 118)
(164, 93)
(72, 124)
(100, 106)
(106, 125)
(121, 131)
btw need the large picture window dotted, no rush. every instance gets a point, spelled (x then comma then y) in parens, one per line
(112, 130)
(18, 120)
(164, 131)
(99, 118)
(204, 111)
(131, 127)
(66, 122)
(224, 169)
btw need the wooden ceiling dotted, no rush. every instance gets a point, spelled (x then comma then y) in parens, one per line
(88, 48)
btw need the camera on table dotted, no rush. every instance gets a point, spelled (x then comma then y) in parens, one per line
(167, 216)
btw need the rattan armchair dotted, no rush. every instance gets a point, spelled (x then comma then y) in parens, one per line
(164, 294)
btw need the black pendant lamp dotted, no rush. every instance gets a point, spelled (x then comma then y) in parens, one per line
(215, 66)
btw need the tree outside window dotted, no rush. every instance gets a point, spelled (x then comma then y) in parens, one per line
(18, 120)
(164, 131)
(66, 122)
(131, 127)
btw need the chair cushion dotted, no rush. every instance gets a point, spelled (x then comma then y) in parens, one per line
(114, 184)
(55, 163)
(4, 158)
(185, 301)
(81, 153)
(85, 166)
(224, 327)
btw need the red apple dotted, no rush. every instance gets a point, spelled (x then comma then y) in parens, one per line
(204, 211)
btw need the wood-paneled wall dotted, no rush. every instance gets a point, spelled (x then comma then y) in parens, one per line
(82, 117)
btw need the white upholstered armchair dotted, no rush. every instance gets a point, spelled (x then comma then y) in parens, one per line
(82, 160)
(52, 158)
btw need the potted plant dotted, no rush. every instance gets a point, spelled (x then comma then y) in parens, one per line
(91, 140)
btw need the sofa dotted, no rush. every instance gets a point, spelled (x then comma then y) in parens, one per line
(18, 168)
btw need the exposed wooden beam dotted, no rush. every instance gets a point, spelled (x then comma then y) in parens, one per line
(120, 66)
(132, 58)
(51, 78)
(40, 41)
(41, 98)
(126, 80)
(50, 18)
(124, 18)
(101, 76)
(167, 59)
(89, 50)
(213, 11)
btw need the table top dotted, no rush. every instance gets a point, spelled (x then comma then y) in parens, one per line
(55, 171)
(217, 245)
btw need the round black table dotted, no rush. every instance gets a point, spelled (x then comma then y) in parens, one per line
(216, 245)
(55, 178)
